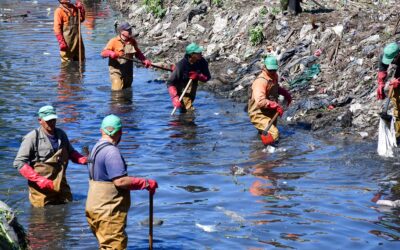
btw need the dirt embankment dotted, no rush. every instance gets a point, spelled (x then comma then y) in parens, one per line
(328, 55)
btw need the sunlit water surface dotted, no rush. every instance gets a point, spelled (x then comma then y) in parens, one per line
(218, 188)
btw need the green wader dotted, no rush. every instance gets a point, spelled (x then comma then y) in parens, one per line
(71, 36)
(54, 169)
(121, 70)
(106, 212)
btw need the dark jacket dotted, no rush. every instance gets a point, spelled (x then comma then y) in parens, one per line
(180, 76)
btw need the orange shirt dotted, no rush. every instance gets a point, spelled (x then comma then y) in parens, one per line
(265, 88)
(117, 45)
(61, 16)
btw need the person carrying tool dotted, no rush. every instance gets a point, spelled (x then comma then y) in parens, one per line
(109, 199)
(120, 51)
(192, 66)
(43, 159)
(263, 101)
(66, 30)
(390, 55)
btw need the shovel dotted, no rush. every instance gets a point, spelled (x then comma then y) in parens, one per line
(384, 115)
(150, 221)
(152, 65)
(265, 131)
(183, 93)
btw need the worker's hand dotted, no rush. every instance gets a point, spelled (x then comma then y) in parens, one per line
(197, 76)
(78, 158)
(276, 106)
(146, 63)
(29, 173)
(152, 185)
(380, 93)
(173, 67)
(110, 54)
(175, 101)
(286, 94)
(80, 7)
(45, 184)
(61, 41)
(395, 82)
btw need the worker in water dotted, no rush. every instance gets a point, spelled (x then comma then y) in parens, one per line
(109, 199)
(43, 159)
(120, 50)
(192, 67)
(263, 101)
(67, 20)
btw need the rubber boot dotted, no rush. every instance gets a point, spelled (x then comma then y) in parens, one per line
(267, 139)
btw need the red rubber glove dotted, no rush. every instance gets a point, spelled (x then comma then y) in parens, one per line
(276, 106)
(110, 54)
(141, 183)
(81, 8)
(78, 158)
(173, 67)
(61, 42)
(193, 75)
(146, 63)
(395, 82)
(267, 139)
(380, 94)
(283, 92)
(173, 93)
(30, 174)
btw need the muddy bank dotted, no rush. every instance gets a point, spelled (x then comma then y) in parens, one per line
(328, 54)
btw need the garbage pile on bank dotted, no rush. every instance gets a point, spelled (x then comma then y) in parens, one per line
(328, 55)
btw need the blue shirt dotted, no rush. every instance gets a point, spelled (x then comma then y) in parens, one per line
(108, 163)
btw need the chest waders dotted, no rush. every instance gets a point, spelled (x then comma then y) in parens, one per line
(106, 209)
(71, 36)
(261, 117)
(54, 169)
(121, 71)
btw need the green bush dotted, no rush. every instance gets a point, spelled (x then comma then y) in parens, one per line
(155, 7)
(263, 11)
(256, 35)
(218, 3)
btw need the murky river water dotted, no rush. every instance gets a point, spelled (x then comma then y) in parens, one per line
(310, 195)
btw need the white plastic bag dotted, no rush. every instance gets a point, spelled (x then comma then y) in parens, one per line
(386, 138)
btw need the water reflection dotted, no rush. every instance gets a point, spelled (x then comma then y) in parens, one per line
(121, 101)
(183, 126)
(47, 228)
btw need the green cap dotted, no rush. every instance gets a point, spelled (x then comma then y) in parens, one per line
(271, 63)
(193, 48)
(47, 113)
(111, 122)
(390, 52)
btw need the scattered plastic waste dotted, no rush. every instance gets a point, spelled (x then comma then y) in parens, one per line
(233, 215)
(207, 228)
(389, 203)
(386, 138)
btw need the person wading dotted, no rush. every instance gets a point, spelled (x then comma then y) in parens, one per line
(263, 101)
(43, 159)
(119, 50)
(192, 66)
(108, 199)
(66, 29)
(390, 55)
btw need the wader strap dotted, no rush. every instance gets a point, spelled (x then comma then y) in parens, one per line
(37, 146)
(92, 158)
